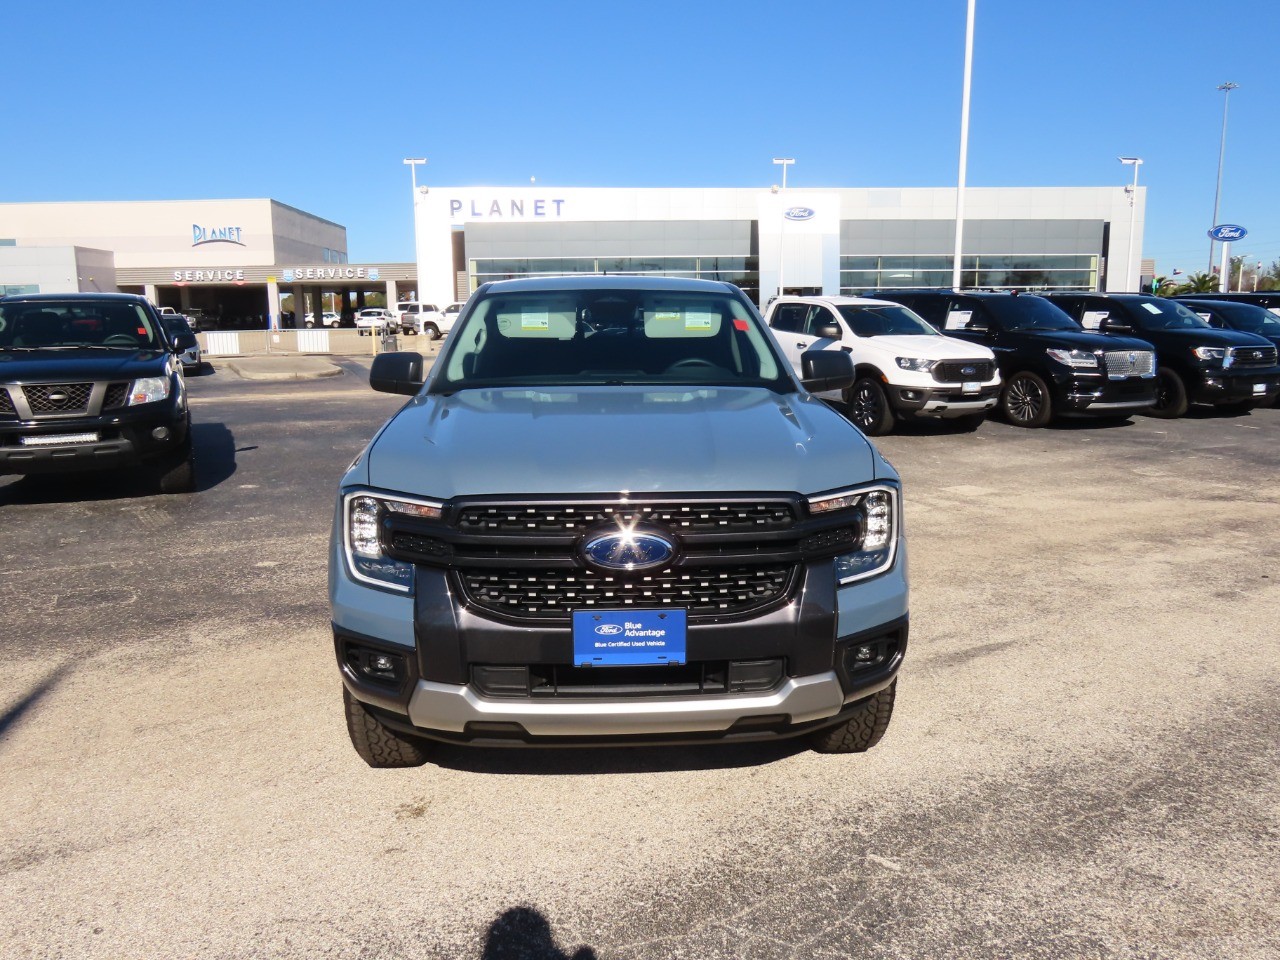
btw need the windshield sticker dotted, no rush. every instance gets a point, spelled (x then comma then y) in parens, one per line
(699, 321)
(665, 316)
(958, 319)
(535, 321)
(1092, 319)
(1151, 308)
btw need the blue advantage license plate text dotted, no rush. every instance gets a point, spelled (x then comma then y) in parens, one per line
(628, 638)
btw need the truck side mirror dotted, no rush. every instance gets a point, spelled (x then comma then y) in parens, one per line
(822, 370)
(1111, 325)
(829, 331)
(400, 372)
(184, 342)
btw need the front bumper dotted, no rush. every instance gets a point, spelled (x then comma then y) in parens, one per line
(125, 438)
(438, 644)
(1236, 386)
(1098, 394)
(945, 400)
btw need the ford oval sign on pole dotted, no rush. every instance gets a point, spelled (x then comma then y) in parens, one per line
(1228, 232)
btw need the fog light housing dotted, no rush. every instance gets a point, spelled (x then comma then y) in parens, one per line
(160, 433)
(376, 665)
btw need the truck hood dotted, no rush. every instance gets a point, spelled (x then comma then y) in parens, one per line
(933, 348)
(64, 366)
(1081, 340)
(1201, 337)
(607, 439)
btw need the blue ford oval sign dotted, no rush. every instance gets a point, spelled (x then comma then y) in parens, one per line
(1227, 232)
(621, 550)
(799, 213)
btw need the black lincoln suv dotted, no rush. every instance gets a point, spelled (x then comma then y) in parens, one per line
(93, 382)
(1050, 365)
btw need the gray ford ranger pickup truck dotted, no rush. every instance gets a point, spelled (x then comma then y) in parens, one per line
(611, 514)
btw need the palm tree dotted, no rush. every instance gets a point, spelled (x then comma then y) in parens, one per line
(1201, 283)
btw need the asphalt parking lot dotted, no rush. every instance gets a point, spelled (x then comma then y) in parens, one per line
(1083, 762)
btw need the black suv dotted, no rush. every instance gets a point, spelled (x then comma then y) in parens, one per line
(1270, 299)
(1049, 363)
(92, 382)
(1236, 315)
(1197, 364)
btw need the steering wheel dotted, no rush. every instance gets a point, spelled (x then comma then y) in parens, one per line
(120, 340)
(696, 362)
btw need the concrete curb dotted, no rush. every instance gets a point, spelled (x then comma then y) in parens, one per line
(282, 368)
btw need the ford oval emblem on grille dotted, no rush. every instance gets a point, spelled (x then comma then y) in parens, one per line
(628, 550)
(800, 213)
(968, 371)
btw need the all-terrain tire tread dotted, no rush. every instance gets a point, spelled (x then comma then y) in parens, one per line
(377, 745)
(863, 730)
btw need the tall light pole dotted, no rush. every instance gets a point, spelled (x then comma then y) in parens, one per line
(1134, 162)
(783, 162)
(964, 144)
(413, 163)
(1226, 89)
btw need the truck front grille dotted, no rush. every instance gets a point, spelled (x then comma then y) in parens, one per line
(116, 395)
(1122, 364)
(1253, 357)
(682, 517)
(6, 405)
(57, 398)
(953, 371)
(553, 594)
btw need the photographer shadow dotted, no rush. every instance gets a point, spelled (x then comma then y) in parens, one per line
(523, 933)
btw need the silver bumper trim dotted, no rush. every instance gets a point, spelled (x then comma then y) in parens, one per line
(450, 707)
(1121, 405)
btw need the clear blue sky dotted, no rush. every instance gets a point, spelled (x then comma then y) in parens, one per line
(315, 104)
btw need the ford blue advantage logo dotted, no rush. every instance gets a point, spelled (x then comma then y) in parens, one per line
(799, 213)
(608, 629)
(623, 550)
(1227, 232)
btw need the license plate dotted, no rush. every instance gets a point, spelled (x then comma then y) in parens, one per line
(58, 439)
(1259, 388)
(628, 638)
(972, 387)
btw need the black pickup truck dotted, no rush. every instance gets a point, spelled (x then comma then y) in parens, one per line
(93, 382)
(1230, 369)
(1050, 365)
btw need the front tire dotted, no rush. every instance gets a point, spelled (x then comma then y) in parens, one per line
(1171, 395)
(869, 407)
(1025, 400)
(178, 474)
(431, 331)
(378, 745)
(863, 730)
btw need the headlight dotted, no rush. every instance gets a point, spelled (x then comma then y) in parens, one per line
(1081, 359)
(918, 365)
(1210, 353)
(879, 508)
(363, 515)
(148, 390)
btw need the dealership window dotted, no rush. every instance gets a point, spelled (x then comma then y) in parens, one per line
(995, 271)
(15, 289)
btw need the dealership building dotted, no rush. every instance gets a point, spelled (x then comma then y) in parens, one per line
(838, 240)
(240, 259)
(229, 259)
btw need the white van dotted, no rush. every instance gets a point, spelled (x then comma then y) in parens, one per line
(422, 318)
(905, 368)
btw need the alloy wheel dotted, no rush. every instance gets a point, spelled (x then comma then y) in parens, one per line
(866, 407)
(1025, 399)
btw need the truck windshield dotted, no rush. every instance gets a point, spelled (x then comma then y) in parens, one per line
(885, 321)
(1029, 313)
(71, 324)
(1159, 314)
(578, 337)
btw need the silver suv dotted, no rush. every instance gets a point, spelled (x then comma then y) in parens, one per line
(612, 513)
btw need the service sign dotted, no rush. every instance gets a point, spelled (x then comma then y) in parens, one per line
(1228, 232)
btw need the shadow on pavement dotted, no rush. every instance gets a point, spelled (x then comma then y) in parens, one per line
(215, 454)
(14, 714)
(522, 933)
(595, 761)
